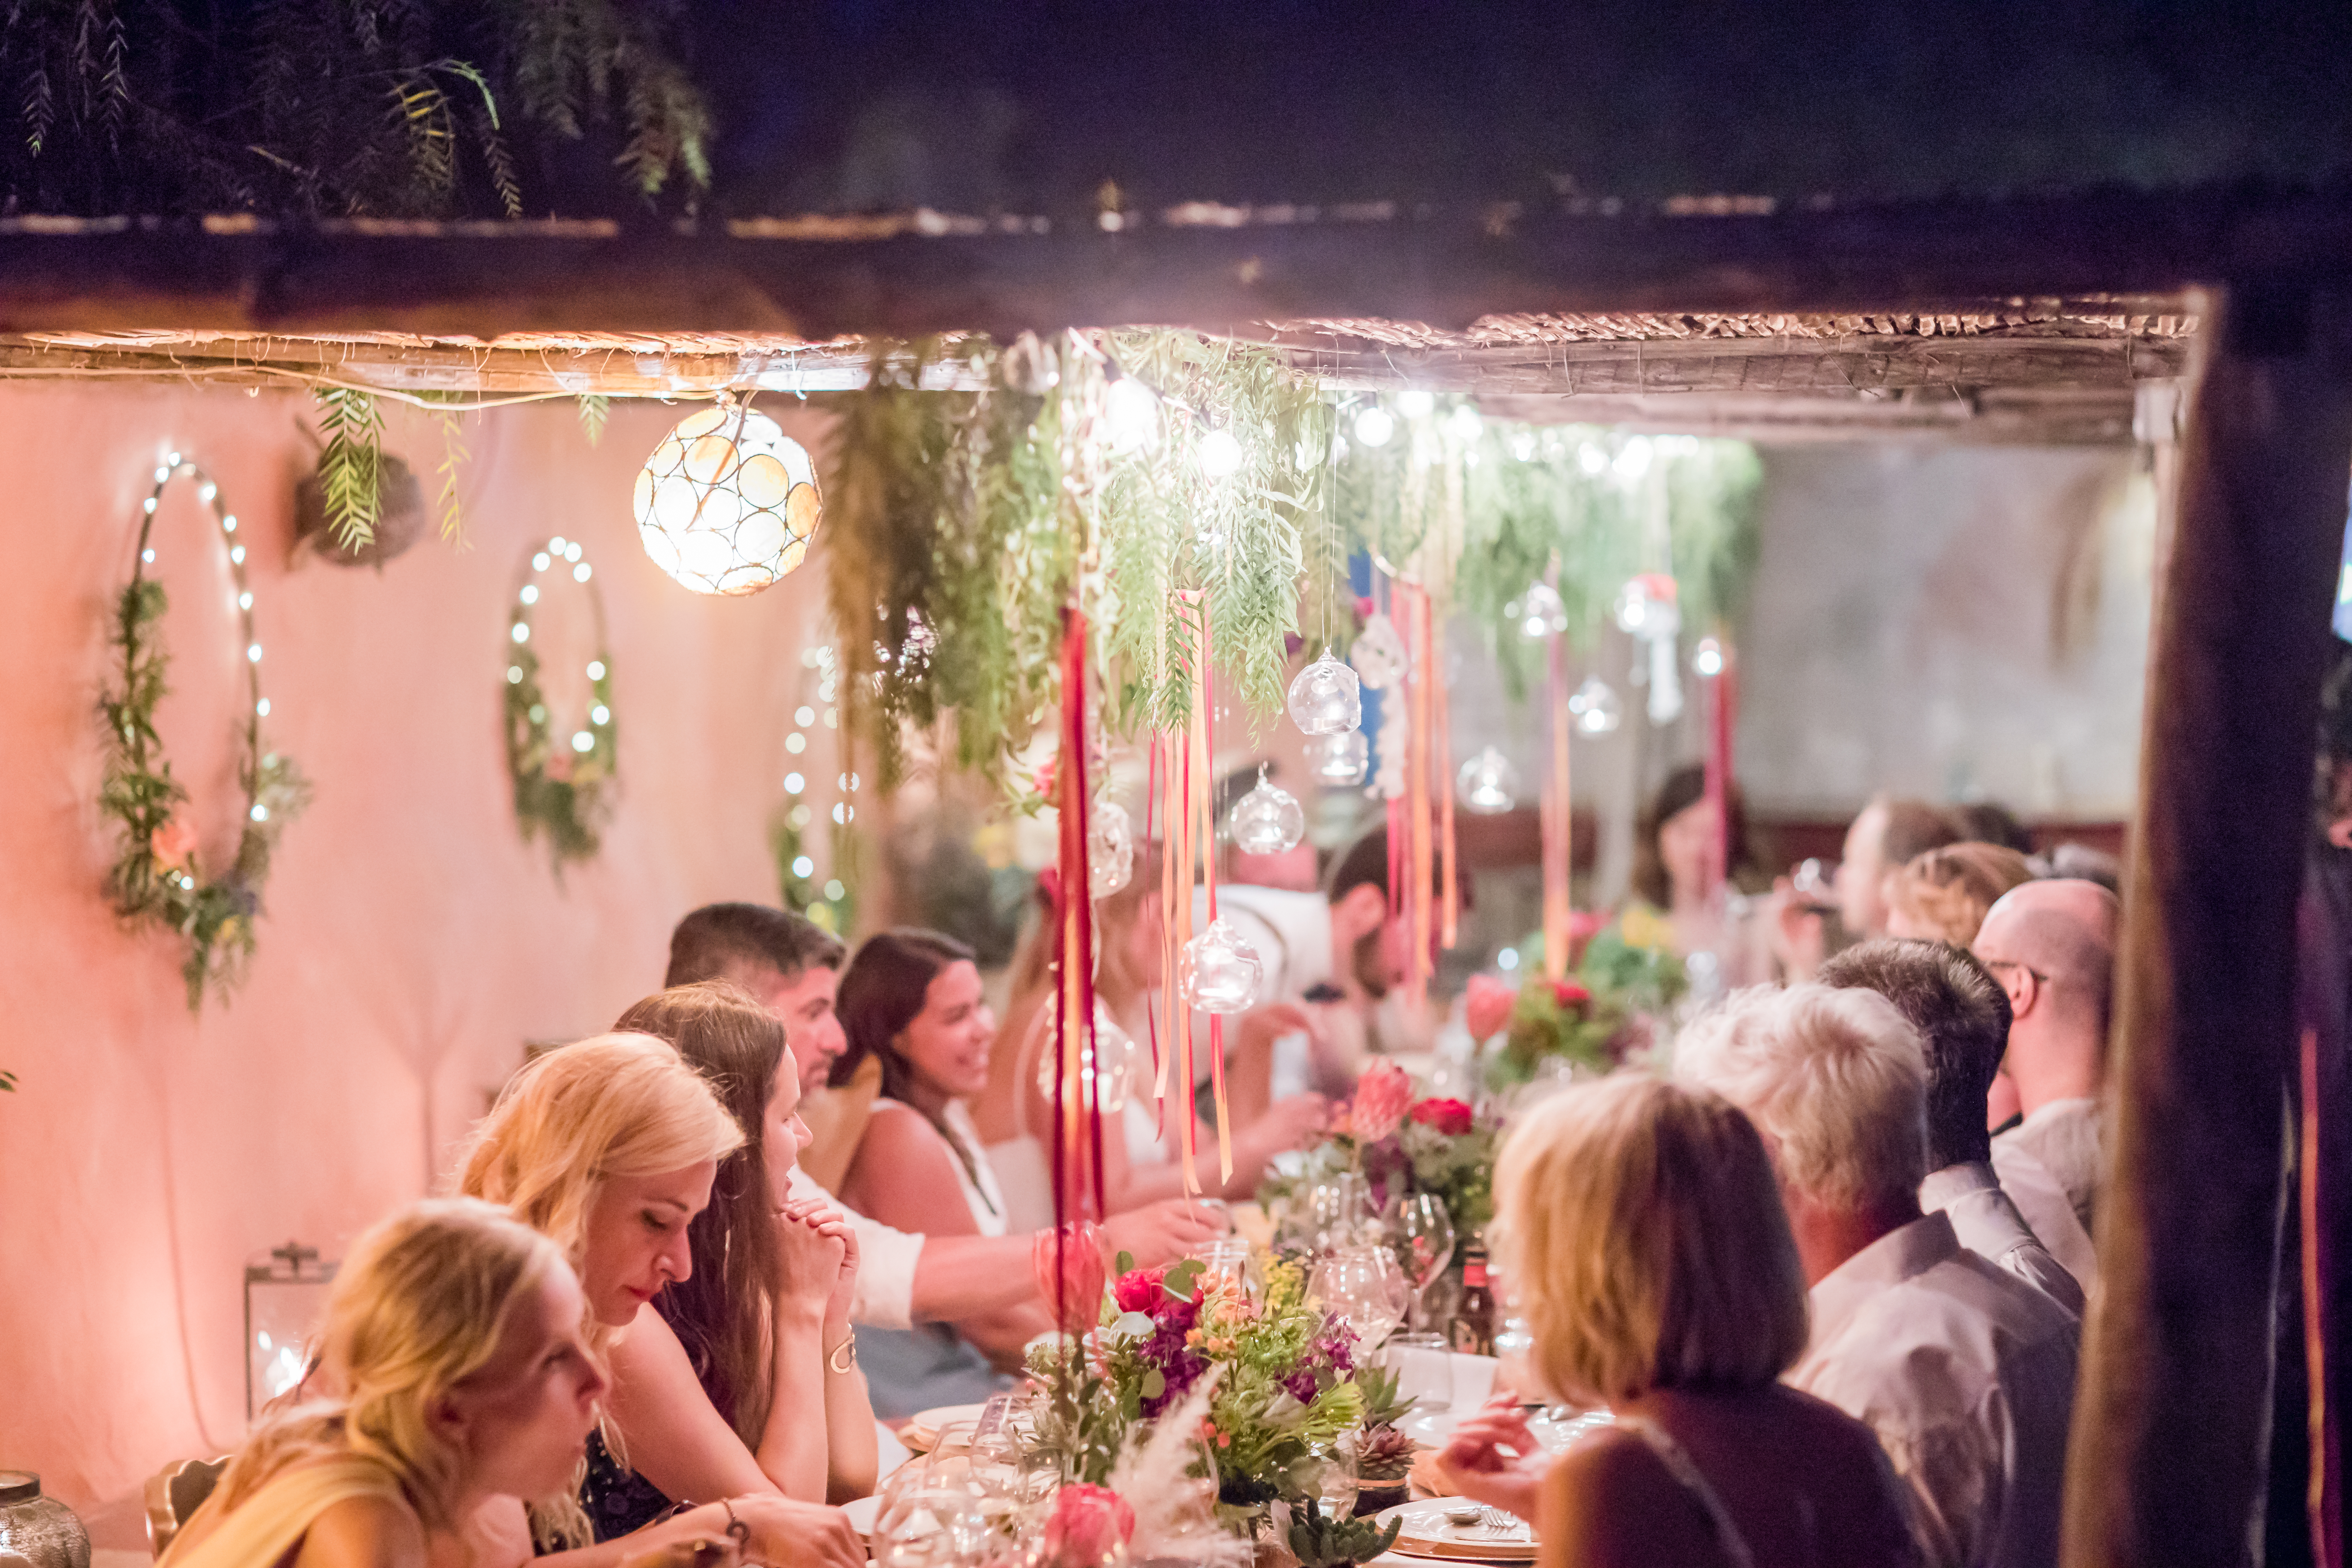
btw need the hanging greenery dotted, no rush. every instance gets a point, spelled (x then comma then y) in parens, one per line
(336, 108)
(158, 874)
(1601, 504)
(1130, 470)
(562, 776)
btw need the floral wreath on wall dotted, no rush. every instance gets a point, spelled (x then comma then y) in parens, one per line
(158, 875)
(561, 782)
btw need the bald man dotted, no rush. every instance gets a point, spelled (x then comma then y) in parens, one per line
(2052, 945)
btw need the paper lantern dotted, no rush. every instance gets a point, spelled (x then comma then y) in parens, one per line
(728, 503)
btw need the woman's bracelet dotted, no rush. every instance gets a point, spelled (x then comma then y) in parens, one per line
(845, 1354)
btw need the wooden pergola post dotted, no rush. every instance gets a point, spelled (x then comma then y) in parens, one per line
(2171, 1416)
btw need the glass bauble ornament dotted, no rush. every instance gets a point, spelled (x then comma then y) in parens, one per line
(1542, 614)
(1487, 783)
(1596, 707)
(1379, 653)
(1325, 698)
(728, 503)
(1110, 1057)
(1266, 821)
(1644, 606)
(1219, 972)
(1706, 659)
(1339, 760)
(1110, 850)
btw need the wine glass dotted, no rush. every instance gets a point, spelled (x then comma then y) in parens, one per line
(1337, 1209)
(1422, 1233)
(1361, 1284)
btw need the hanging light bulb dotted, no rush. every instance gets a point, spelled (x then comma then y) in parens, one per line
(1374, 426)
(1132, 413)
(1633, 459)
(728, 503)
(1221, 454)
(1379, 654)
(1109, 1057)
(1338, 759)
(1541, 614)
(1464, 422)
(1219, 972)
(1325, 698)
(1523, 446)
(1592, 459)
(1110, 850)
(1266, 821)
(1487, 783)
(1706, 659)
(1595, 708)
(1415, 404)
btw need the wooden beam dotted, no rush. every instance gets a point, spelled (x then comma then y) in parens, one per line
(1993, 418)
(1444, 267)
(2170, 1424)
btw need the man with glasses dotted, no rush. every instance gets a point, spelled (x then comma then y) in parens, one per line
(2052, 945)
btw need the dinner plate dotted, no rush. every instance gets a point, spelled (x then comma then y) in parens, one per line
(1423, 1531)
(862, 1515)
(922, 1430)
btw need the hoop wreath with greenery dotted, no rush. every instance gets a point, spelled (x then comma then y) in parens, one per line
(157, 873)
(560, 782)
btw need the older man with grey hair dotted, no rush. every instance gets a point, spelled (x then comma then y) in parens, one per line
(1965, 1373)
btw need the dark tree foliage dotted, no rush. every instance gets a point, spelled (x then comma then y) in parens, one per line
(346, 108)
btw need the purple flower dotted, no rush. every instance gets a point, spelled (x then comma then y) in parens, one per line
(1301, 1386)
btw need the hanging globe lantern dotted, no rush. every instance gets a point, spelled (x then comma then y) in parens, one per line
(1109, 1057)
(1487, 783)
(1325, 698)
(1110, 850)
(1266, 821)
(1595, 707)
(1219, 972)
(1341, 760)
(1542, 614)
(1379, 656)
(728, 503)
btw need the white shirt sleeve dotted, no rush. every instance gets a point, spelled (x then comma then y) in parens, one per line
(885, 1263)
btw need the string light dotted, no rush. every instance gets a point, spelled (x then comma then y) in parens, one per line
(1415, 404)
(1221, 454)
(1374, 426)
(1131, 414)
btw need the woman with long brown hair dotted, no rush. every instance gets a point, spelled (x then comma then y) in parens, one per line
(762, 1322)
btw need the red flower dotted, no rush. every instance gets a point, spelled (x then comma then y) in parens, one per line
(1449, 1117)
(1570, 994)
(1138, 1290)
(1486, 1007)
(1070, 1276)
(172, 843)
(1087, 1526)
(1382, 1096)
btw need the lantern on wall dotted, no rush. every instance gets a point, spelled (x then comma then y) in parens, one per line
(285, 1304)
(728, 503)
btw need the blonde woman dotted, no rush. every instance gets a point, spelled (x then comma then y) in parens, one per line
(455, 1334)
(608, 1147)
(1640, 1231)
(1942, 895)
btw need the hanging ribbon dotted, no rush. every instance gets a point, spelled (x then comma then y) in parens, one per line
(1415, 861)
(1204, 701)
(1722, 712)
(1077, 1109)
(1558, 823)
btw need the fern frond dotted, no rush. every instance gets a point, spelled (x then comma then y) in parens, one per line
(595, 409)
(352, 463)
(453, 458)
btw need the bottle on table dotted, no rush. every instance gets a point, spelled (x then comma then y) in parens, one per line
(1474, 1318)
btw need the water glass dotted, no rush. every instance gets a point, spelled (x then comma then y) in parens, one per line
(1227, 1258)
(1422, 1233)
(1423, 1365)
(1362, 1284)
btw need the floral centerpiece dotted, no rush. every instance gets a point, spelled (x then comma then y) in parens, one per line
(1598, 1018)
(1264, 1384)
(1404, 1145)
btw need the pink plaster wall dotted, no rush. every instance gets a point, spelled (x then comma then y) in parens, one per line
(412, 941)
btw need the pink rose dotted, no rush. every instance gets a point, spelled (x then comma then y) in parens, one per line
(1490, 1005)
(1449, 1117)
(1087, 1526)
(1068, 1265)
(1138, 1290)
(1569, 994)
(173, 843)
(1382, 1096)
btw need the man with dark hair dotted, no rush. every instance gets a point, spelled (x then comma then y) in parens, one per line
(1962, 1017)
(792, 966)
(1885, 836)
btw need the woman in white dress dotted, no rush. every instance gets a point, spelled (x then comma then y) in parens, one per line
(455, 1336)
(912, 1000)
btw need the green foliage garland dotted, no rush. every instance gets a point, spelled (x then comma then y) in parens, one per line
(158, 875)
(560, 787)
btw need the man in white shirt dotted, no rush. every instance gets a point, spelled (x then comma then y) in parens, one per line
(1965, 1371)
(793, 967)
(1963, 1021)
(2052, 945)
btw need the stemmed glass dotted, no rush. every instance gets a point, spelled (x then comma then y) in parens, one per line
(1337, 1209)
(1362, 1284)
(1422, 1233)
